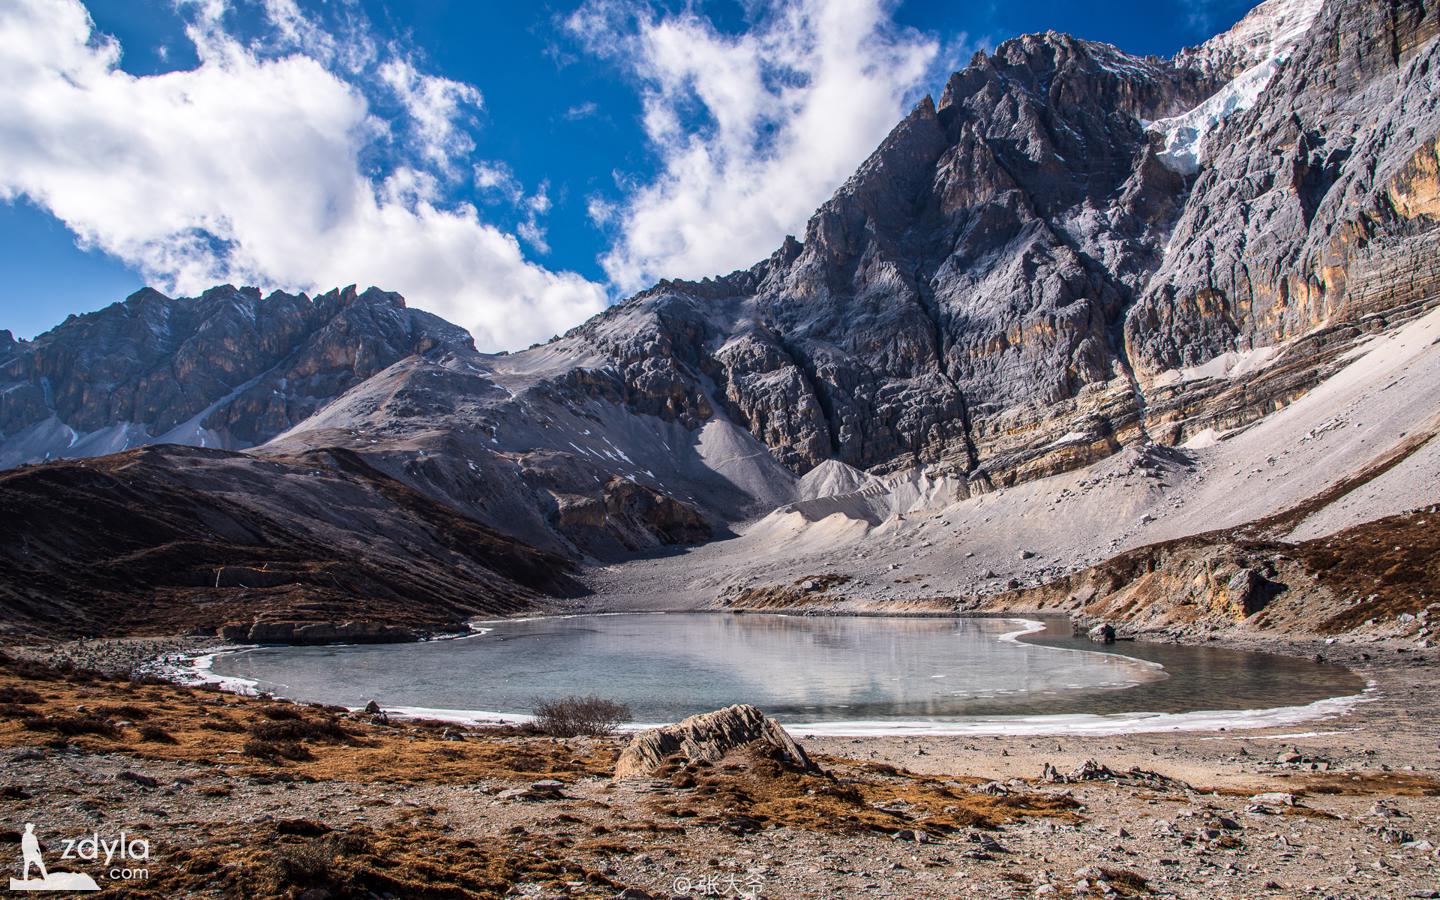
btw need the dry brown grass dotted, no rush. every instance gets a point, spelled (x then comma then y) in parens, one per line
(749, 789)
(289, 857)
(1392, 784)
(211, 727)
(564, 854)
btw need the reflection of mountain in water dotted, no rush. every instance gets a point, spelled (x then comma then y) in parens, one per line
(669, 666)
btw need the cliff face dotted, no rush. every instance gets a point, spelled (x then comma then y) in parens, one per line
(1037, 269)
(227, 369)
(1316, 204)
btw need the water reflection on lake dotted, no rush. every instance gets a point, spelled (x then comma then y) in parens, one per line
(810, 669)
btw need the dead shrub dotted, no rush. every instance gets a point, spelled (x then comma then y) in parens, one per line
(574, 716)
(319, 730)
(125, 711)
(70, 726)
(156, 735)
(274, 751)
(20, 695)
(306, 864)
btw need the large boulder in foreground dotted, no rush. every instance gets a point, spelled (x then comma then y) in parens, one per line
(709, 737)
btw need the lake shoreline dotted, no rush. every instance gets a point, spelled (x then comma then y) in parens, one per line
(452, 787)
(181, 655)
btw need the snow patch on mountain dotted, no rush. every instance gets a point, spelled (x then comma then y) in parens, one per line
(1262, 41)
(1185, 134)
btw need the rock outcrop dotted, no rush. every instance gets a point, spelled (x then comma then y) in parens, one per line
(709, 737)
(1369, 581)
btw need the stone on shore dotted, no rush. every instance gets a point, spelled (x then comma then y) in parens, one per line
(708, 737)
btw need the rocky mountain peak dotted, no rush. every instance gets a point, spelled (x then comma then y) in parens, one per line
(996, 263)
(229, 368)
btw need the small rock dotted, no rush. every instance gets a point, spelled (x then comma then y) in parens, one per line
(741, 825)
(137, 778)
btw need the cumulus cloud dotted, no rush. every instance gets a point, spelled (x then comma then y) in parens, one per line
(752, 130)
(248, 168)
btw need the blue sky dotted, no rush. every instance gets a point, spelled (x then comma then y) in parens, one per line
(512, 166)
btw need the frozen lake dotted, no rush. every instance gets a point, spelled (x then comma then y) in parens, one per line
(909, 673)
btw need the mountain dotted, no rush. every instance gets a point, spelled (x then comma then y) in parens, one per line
(1055, 261)
(1074, 255)
(227, 369)
(1017, 282)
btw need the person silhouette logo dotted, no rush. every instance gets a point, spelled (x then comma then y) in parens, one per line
(59, 881)
(30, 849)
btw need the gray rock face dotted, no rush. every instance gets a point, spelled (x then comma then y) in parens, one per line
(227, 369)
(1016, 280)
(1313, 204)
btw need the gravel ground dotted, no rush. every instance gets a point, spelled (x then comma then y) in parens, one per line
(1354, 812)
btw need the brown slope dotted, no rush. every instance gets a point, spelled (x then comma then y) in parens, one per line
(169, 538)
(1381, 578)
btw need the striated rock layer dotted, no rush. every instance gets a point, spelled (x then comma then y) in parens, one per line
(708, 737)
(1015, 283)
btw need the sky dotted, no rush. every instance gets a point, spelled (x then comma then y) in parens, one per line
(513, 167)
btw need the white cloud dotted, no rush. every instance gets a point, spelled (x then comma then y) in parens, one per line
(584, 110)
(434, 106)
(248, 169)
(495, 176)
(791, 107)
